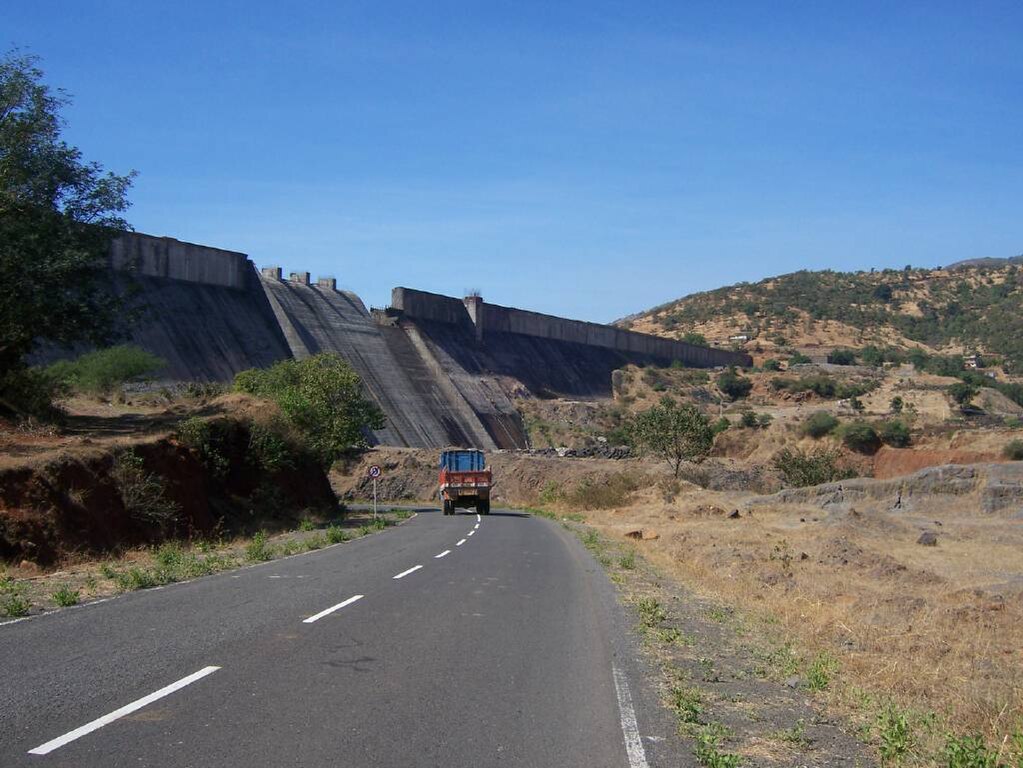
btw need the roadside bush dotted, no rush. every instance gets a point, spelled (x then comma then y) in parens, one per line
(721, 425)
(800, 468)
(819, 425)
(748, 420)
(106, 370)
(895, 433)
(206, 438)
(798, 358)
(772, 365)
(142, 493)
(733, 384)
(1013, 450)
(603, 493)
(861, 437)
(322, 397)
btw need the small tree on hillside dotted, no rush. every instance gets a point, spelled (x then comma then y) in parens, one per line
(676, 433)
(733, 384)
(962, 392)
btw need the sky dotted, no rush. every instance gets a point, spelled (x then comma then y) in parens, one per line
(587, 159)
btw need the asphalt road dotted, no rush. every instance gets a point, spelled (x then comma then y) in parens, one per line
(503, 651)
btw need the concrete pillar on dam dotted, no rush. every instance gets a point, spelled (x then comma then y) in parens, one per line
(477, 312)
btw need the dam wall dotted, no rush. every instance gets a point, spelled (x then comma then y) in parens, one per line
(489, 319)
(177, 260)
(445, 371)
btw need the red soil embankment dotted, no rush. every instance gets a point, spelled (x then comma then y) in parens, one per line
(895, 462)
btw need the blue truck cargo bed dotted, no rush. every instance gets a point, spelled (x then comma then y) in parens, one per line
(463, 461)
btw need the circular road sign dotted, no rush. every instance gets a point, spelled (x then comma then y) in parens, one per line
(374, 471)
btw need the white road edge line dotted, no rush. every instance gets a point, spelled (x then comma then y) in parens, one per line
(478, 518)
(445, 552)
(476, 526)
(470, 533)
(460, 543)
(77, 733)
(630, 729)
(403, 574)
(328, 611)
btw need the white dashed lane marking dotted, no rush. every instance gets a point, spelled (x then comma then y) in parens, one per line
(403, 574)
(77, 733)
(328, 611)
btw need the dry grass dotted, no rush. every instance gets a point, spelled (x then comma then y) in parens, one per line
(934, 629)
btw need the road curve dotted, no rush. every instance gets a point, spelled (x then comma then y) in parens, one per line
(448, 641)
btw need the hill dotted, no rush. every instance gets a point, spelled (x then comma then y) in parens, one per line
(966, 308)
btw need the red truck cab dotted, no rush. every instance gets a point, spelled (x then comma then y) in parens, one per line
(465, 481)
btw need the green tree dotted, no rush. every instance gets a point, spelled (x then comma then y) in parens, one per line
(58, 216)
(676, 433)
(321, 396)
(962, 392)
(733, 384)
(896, 405)
(842, 357)
(692, 337)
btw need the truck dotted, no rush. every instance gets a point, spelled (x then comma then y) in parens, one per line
(465, 481)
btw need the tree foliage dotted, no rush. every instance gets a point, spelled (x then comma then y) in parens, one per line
(734, 384)
(322, 397)
(800, 468)
(58, 216)
(675, 433)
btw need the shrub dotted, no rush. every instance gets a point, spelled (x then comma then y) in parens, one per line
(268, 449)
(30, 392)
(206, 438)
(764, 420)
(105, 370)
(772, 365)
(748, 420)
(895, 433)
(734, 385)
(604, 492)
(819, 424)
(1013, 450)
(721, 425)
(798, 358)
(336, 534)
(896, 405)
(962, 392)
(551, 493)
(259, 549)
(322, 397)
(803, 468)
(970, 752)
(842, 357)
(64, 595)
(861, 437)
(142, 493)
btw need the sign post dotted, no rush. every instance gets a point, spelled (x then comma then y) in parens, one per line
(374, 472)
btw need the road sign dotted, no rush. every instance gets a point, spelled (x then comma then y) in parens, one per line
(374, 472)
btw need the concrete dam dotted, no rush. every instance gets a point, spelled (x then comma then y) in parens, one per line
(444, 370)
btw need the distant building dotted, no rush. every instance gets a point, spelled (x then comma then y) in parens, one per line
(740, 337)
(971, 362)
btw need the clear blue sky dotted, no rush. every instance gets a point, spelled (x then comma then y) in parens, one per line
(586, 158)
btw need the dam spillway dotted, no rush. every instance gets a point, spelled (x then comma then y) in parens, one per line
(445, 371)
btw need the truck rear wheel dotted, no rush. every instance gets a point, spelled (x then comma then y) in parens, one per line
(447, 507)
(483, 507)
